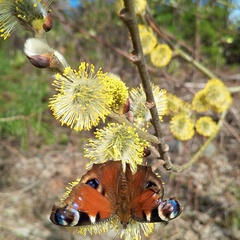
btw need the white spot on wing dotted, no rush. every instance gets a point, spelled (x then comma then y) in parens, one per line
(148, 217)
(92, 219)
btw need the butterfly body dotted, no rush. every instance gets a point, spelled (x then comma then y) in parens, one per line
(106, 191)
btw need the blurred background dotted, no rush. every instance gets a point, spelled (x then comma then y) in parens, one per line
(38, 156)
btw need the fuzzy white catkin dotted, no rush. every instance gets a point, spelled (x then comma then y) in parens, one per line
(34, 46)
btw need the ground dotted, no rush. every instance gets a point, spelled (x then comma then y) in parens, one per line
(32, 180)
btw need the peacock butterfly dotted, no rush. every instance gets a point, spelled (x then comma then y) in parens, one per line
(106, 191)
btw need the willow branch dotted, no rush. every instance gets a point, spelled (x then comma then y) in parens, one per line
(196, 156)
(129, 18)
(153, 139)
(181, 53)
(195, 63)
(145, 135)
(234, 89)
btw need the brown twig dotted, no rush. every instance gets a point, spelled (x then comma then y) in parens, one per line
(129, 18)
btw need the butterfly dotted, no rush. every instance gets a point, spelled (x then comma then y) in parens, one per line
(106, 191)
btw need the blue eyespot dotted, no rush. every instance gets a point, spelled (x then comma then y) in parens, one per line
(169, 209)
(94, 183)
(61, 218)
(65, 216)
(175, 208)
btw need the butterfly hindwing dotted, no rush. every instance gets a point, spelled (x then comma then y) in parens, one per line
(166, 210)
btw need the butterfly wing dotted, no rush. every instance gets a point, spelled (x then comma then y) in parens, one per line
(84, 206)
(166, 210)
(92, 200)
(105, 190)
(147, 203)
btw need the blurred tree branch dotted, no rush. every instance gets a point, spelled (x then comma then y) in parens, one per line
(180, 52)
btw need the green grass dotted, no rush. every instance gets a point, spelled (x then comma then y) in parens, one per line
(24, 93)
